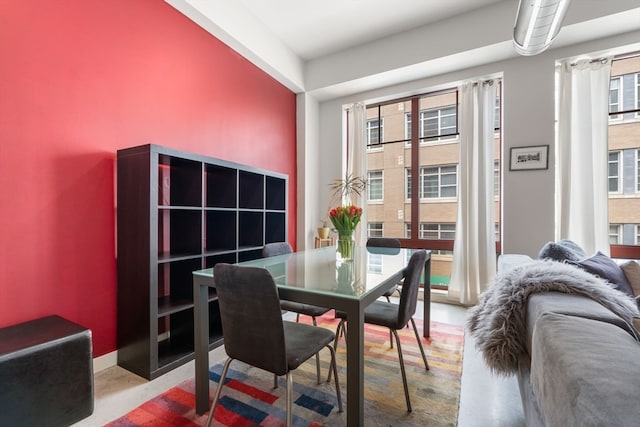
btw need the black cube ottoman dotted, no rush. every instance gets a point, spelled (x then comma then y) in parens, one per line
(46, 373)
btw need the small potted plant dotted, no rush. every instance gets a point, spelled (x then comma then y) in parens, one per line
(323, 230)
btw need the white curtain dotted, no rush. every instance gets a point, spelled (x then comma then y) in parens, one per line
(474, 253)
(356, 158)
(582, 154)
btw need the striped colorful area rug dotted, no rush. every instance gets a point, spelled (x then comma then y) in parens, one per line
(249, 399)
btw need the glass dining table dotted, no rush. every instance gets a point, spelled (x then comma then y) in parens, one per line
(317, 277)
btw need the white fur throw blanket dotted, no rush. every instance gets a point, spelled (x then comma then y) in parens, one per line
(498, 322)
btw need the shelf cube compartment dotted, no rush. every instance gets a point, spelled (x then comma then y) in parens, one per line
(250, 229)
(276, 193)
(179, 232)
(250, 190)
(221, 187)
(220, 230)
(275, 227)
(179, 182)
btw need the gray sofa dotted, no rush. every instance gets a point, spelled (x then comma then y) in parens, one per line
(580, 364)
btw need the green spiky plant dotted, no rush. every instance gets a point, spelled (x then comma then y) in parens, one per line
(346, 188)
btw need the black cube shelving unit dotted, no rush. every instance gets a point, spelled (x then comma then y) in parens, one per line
(179, 212)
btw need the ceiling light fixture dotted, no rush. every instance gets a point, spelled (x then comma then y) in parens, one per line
(537, 25)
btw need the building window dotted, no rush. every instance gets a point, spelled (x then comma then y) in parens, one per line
(407, 230)
(374, 187)
(407, 180)
(614, 171)
(439, 124)
(637, 171)
(636, 235)
(433, 231)
(375, 132)
(374, 229)
(638, 94)
(496, 117)
(615, 97)
(615, 234)
(496, 178)
(375, 263)
(438, 182)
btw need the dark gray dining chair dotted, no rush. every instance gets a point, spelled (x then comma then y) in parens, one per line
(397, 316)
(385, 245)
(255, 333)
(282, 248)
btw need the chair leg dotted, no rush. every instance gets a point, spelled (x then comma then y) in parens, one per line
(335, 375)
(218, 390)
(315, 323)
(275, 381)
(404, 374)
(339, 330)
(335, 342)
(415, 330)
(289, 397)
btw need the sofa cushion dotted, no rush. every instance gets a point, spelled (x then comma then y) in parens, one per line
(607, 269)
(631, 270)
(585, 372)
(563, 250)
(572, 305)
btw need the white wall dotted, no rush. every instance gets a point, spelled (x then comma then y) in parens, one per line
(528, 119)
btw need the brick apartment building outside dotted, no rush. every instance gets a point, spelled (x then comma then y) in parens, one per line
(389, 159)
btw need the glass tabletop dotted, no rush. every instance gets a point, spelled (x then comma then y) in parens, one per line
(321, 271)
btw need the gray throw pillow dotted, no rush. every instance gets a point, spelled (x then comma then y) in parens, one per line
(563, 250)
(631, 270)
(607, 269)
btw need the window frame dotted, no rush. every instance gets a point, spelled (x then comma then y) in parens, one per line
(423, 187)
(619, 177)
(370, 180)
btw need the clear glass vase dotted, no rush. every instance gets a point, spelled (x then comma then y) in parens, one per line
(344, 249)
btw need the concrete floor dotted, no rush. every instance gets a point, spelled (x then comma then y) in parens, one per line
(485, 400)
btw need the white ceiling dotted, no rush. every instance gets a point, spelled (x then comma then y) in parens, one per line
(316, 28)
(333, 48)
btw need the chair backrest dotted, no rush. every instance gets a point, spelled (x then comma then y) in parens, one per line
(251, 317)
(410, 287)
(277, 248)
(383, 245)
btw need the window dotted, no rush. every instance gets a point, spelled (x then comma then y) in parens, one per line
(375, 132)
(375, 263)
(438, 182)
(637, 171)
(615, 234)
(623, 161)
(374, 187)
(420, 156)
(638, 94)
(496, 178)
(374, 229)
(614, 172)
(439, 124)
(432, 231)
(615, 102)
(496, 119)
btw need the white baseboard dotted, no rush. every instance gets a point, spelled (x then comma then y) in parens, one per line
(105, 361)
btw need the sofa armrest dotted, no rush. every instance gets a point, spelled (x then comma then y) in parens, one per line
(508, 261)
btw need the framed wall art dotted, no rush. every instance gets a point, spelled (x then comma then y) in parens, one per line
(529, 158)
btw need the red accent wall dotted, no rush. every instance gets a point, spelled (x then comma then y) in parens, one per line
(80, 80)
